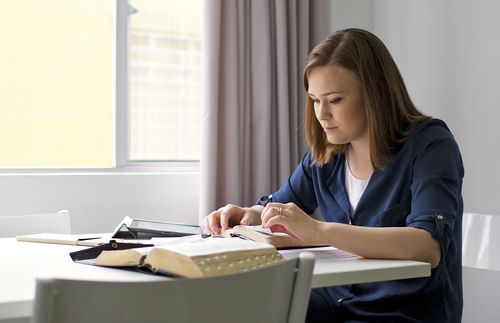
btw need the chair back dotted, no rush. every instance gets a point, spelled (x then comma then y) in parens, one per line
(57, 222)
(277, 293)
(480, 267)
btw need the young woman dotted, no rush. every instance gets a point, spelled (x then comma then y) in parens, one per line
(386, 178)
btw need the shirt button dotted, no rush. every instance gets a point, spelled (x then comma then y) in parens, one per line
(440, 217)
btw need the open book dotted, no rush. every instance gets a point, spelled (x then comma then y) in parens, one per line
(280, 240)
(207, 257)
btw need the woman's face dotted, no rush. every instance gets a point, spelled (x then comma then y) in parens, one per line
(338, 103)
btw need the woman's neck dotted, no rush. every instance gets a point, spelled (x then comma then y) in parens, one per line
(358, 158)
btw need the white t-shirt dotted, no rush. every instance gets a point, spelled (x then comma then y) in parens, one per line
(354, 186)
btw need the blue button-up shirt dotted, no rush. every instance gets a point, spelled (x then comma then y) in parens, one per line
(421, 188)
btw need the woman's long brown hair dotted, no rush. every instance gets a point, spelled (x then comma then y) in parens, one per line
(389, 110)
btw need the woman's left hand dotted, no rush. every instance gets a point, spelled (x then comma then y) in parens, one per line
(289, 218)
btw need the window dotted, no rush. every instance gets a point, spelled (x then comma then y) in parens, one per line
(58, 83)
(64, 118)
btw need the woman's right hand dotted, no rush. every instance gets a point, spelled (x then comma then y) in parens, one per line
(231, 215)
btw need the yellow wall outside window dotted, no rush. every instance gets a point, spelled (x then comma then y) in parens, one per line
(57, 83)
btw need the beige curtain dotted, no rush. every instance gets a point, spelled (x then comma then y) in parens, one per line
(253, 96)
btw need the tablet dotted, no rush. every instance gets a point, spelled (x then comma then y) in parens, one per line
(145, 229)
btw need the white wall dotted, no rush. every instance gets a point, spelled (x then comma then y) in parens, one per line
(97, 202)
(449, 56)
(352, 14)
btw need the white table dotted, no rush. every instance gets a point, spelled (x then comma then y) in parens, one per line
(21, 262)
(335, 267)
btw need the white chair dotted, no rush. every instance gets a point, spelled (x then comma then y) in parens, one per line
(278, 293)
(481, 267)
(57, 222)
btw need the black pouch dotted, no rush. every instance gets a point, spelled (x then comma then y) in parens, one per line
(91, 253)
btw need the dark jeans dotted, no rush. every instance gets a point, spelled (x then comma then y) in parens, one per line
(322, 308)
(325, 309)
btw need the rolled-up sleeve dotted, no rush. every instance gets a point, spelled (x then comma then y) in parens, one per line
(436, 190)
